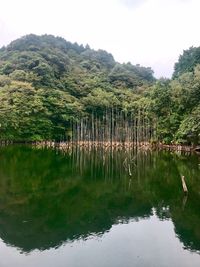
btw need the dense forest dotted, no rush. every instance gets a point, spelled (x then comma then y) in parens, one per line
(50, 88)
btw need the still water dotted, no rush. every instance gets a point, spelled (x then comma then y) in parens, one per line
(97, 208)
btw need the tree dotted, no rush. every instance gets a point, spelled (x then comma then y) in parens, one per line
(189, 130)
(187, 61)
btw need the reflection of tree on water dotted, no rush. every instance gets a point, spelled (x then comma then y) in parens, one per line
(48, 198)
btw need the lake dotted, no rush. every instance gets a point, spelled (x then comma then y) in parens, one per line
(98, 207)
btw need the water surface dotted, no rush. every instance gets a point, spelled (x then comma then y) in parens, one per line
(98, 208)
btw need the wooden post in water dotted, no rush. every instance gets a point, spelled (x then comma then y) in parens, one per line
(184, 184)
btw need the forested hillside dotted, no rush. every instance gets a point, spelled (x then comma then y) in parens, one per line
(47, 83)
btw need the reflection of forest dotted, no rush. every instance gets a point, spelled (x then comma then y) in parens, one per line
(47, 198)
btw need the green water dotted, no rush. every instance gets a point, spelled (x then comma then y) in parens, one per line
(98, 208)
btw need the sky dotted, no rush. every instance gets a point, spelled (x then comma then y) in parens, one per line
(152, 33)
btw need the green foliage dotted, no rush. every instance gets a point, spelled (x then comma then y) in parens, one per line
(187, 61)
(127, 75)
(174, 101)
(4, 80)
(52, 58)
(47, 82)
(33, 114)
(100, 100)
(189, 129)
(161, 95)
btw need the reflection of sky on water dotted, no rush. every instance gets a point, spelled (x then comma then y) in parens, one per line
(147, 243)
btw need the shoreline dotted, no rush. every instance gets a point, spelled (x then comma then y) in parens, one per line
(109, 144)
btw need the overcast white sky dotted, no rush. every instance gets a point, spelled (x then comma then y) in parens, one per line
(149, 32)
